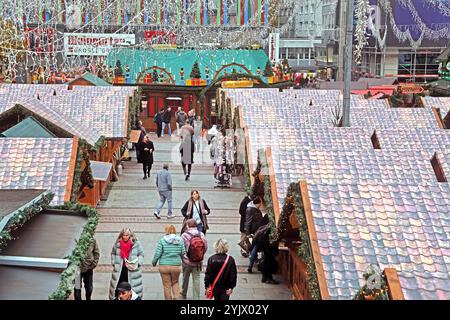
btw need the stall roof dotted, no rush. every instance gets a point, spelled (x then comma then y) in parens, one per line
(91, 78)
(39, 163)
(22, 282)
(389, 225)
(28, 128)
(12, 200)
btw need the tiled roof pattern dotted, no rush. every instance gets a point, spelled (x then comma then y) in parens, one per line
(442, 103)
(74, 126)
(444, 160)
(398, 226)
(36, 163)
(414, 139)
(100, 108)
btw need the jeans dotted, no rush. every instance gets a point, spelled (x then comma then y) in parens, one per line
(87, 278)
(170, 276)
(165, 195)
(195, 271)
(198, 143)
(220, 294)
(253, 256)
(158, 129)
(169, 129)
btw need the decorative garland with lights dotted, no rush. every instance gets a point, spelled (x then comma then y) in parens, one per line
(22, 216)
(375, 287)
(293, 204)
(65, 287)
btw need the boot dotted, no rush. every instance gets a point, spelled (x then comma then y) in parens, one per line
(77, 294)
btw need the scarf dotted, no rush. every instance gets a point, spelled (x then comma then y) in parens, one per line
(190, 212)
(125, 248)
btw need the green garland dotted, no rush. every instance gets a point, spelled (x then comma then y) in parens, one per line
(65, 287)
(373, 292)
(22, 216)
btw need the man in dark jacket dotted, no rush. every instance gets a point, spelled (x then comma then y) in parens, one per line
(270, 250)
(166, 121)
(159, 121)
(181, 118)
(86, 274)
(242, 209)
(253, 220)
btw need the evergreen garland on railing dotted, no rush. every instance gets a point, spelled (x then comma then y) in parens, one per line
(22, 216)
(66, 286)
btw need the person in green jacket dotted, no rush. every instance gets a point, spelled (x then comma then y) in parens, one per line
(169, 252)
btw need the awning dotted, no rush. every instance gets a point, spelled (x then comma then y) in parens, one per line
(174, 98)
(100, 170)
(377, 96)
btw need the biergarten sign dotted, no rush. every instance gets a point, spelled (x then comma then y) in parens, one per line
(95, 44)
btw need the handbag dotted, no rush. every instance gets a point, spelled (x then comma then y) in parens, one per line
(210, 291)
(132, 265)
(246, 243)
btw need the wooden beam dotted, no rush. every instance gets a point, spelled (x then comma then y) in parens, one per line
(249, 155)
(127, 110)
(393, 283)
(241, 119)
(72, 167)
(273, 185)
(438, 118)
(314, 244)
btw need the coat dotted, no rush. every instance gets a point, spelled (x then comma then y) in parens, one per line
(146, 157)
(134, 277)
(242, 209)
(91, 258)
(188, 212)
(228, 278)
(187, 160)
(166, 116)
(158, 118)
(181, 118)
(253, 219)
(169, 251)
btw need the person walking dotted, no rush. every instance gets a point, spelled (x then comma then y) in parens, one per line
(146, 154)
(253, 220)
(142, 134)
(198, 127)
(221, 272)
(195, 245)
(166, 122)
(127, 258)
(242, 210)
(187, 154)
(164, 185)
(158, 119)
(270, 252)
(197, 209)
(181, 118)
(86, 271)
(124, 292)
(169, 252)
(191, 116)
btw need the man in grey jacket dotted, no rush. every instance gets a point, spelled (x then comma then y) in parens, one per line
(181, 118)
(164, 184)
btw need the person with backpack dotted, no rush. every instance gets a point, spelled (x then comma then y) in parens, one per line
(158, 120)
(221, 273)
(195, 245)
(197, 209)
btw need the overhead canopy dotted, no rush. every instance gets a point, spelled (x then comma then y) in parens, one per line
(173, 62)
(100, 170)
(28, 128)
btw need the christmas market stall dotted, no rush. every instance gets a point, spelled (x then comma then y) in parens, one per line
(350, 204)
(30, 270)
(100, 116)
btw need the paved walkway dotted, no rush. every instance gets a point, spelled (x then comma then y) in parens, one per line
(131, 203)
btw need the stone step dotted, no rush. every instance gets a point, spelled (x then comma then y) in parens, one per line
(140, 212)
(150, 218)
(158, 226)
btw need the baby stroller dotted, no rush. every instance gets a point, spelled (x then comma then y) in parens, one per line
(223, 176)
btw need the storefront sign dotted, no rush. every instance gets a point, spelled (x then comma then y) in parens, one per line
(411, 88)
(160, 37)
(95, 44)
